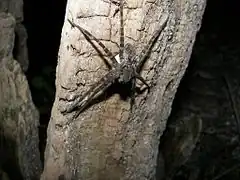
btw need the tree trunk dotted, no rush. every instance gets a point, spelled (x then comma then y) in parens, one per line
(19, 118)
(108, 140)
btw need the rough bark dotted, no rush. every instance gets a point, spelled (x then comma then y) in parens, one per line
(19, 153)
(15, 8)
(107, 141)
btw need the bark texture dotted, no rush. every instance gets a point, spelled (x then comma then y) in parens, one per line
(19, 153)
(15, 8)
(107, 141)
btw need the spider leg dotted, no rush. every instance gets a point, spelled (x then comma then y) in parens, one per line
(117, 3)
(78, 100)
(81, 103)
(133, 90)
(88, 36)
(121, 50)
(147, 49)
(101, 88)
(142, 80)
(79, 108)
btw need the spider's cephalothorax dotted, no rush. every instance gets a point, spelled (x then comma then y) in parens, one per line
(127, 66)
(124, 70)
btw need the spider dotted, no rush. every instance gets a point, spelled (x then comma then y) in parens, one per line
(125, 70)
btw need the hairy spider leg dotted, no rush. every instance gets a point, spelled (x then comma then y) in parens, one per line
(132, 95)
(89, 36)
(117, 3)
(147, 49)
(137, 75)
(107, 80)
(121, 50)
(91, 94)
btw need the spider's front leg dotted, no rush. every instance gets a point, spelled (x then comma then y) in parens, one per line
(145, 52)
(90, 37)
(147, 49)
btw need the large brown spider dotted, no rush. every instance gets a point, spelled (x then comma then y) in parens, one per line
(125, 70)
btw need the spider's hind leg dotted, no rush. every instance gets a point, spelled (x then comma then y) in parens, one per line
(133, 91)
(142, 80)
(133, 88)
